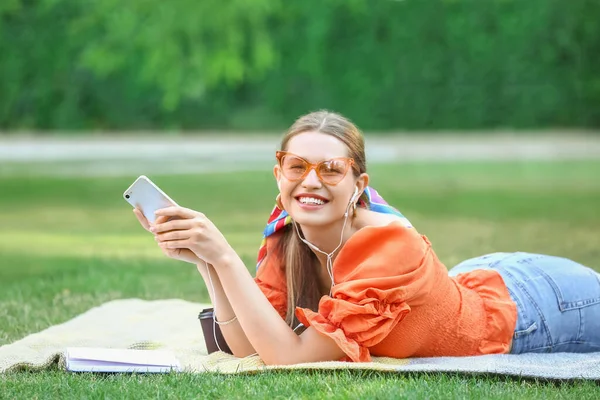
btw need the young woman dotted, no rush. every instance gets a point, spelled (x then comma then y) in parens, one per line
(363, 281)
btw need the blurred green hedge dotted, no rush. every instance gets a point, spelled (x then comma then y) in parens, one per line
(258, 64)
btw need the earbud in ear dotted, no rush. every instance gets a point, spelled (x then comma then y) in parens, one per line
(279, 186)
(351, 202)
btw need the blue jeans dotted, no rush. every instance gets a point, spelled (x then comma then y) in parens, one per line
(558, 301)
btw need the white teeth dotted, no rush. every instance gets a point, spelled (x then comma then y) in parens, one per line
(311, 200)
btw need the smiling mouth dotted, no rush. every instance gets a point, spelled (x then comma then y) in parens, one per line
(311, 201)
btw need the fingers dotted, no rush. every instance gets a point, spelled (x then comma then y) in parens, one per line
(143, 221)
(174, 244)
(175, 211)
(160, 220)
(173, 235)
(170, 225)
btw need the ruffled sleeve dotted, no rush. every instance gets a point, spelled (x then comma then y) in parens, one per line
(270, 277)
(380, 274)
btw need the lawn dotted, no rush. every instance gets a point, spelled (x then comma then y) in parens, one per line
(68, 244)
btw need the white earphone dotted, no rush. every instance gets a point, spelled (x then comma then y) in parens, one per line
(354, 195)
(350, 202)
(330, 255)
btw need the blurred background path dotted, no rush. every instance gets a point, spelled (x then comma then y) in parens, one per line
(123, 155)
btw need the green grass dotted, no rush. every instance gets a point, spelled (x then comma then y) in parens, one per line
(68, 244)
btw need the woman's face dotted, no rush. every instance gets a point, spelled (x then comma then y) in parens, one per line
(310, 201)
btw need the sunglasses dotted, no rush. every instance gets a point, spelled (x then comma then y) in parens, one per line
(296, 168)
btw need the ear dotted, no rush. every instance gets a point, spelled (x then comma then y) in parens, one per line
(361, 184)
(277, 175)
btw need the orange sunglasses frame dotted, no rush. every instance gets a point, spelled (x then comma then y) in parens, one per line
(280, 154)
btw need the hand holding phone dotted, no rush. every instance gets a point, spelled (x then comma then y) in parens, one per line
(195, 239)
(146, 196)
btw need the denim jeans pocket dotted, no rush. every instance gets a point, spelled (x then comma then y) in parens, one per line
(575, 288)
(529, 329)
(558, 303)
(525, 323)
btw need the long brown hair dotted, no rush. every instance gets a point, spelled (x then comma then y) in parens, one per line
(301, 264)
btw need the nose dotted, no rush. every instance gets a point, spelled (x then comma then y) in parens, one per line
(311, 180)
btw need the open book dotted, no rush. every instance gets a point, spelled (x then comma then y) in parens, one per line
(94, 359)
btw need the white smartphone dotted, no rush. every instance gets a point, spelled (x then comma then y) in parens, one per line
(148, 197)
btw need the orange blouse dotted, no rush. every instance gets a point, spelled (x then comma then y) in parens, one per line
(394, 298)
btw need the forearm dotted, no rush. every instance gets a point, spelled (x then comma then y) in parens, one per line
(233, 333)
(266, 331)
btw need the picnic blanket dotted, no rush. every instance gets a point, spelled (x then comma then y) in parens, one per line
(173, 324)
